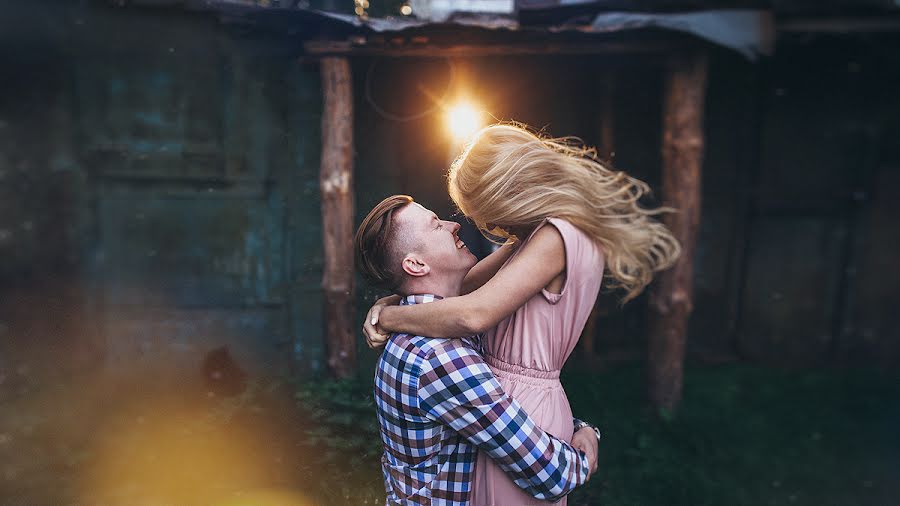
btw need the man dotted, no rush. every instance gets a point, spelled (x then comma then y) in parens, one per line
(437, 401)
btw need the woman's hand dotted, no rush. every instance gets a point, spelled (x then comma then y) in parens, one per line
(375, 337)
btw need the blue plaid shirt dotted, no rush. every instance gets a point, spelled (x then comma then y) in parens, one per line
(438, 403)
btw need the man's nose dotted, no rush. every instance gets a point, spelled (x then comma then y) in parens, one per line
(454, 226)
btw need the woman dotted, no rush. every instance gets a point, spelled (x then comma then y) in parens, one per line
(572, 218)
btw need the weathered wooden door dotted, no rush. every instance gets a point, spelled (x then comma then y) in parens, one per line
(201, 161)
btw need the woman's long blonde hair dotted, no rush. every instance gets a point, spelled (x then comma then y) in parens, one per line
(509, 178)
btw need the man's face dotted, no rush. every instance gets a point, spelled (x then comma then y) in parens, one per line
(436, 239)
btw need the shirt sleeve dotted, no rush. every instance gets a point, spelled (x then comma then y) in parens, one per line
(458, 389)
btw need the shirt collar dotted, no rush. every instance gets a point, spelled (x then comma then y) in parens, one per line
(421, 298)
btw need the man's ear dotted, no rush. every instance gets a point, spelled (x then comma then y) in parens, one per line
(415, 266)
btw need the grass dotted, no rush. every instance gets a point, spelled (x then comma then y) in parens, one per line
(744, 435)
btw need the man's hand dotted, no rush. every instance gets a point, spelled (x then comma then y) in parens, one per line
(375, 337)
(586, 440)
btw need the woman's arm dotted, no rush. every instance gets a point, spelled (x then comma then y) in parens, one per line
(539, 262)
(487, 267)
(475, 278)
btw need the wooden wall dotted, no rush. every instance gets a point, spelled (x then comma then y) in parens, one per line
(171, 167)
(159, 187)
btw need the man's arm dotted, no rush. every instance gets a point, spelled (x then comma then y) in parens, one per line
(458, 389)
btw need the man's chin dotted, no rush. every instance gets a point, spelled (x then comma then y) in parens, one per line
(471, 259)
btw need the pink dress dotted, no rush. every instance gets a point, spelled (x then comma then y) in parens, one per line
(527, 350)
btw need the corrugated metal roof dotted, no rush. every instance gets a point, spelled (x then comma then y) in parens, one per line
(747, 31)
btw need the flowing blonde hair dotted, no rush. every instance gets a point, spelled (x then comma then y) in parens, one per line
(508, 178)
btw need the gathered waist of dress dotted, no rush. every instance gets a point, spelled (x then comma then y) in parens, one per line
(538, 377)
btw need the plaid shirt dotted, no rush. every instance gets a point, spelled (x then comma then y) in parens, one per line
(437, 403)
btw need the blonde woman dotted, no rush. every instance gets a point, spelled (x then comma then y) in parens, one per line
(572, 219)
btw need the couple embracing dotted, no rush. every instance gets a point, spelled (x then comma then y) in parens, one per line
(467, 388)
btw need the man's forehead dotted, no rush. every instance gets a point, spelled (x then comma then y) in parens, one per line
(414, 218)
(416, 211)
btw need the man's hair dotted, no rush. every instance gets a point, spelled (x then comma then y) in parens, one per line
(374, 244)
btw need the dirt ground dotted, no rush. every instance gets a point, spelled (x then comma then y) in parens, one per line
(92, 438)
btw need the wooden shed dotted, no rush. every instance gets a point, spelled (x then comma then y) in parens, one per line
(179, 177)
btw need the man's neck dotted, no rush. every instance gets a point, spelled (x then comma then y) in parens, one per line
(434, 286)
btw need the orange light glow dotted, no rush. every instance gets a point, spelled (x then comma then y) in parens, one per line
(463, 120)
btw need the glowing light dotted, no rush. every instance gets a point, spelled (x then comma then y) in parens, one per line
(406, 9)
(360, 9)
(464, 120)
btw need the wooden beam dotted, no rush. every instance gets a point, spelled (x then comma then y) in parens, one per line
(671, 299)
(431, 50)
(882, 23)
(336, 185)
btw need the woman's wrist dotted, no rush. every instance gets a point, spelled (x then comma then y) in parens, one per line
(388, 320)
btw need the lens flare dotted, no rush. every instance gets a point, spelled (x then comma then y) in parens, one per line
(463, 120)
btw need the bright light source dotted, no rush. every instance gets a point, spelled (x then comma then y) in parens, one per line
(406, 9)
(463, 120)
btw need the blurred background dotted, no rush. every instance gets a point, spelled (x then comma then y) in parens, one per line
(179, 315)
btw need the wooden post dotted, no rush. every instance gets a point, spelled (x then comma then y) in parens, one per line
(336, 184)
(605, 151)
(671, 300)
(608, 116)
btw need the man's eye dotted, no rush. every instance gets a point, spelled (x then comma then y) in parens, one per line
(440, 226)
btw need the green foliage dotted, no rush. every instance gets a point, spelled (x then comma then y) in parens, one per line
(743, 436)
(342, 432)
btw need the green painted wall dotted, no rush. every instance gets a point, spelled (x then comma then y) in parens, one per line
(188, 156)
